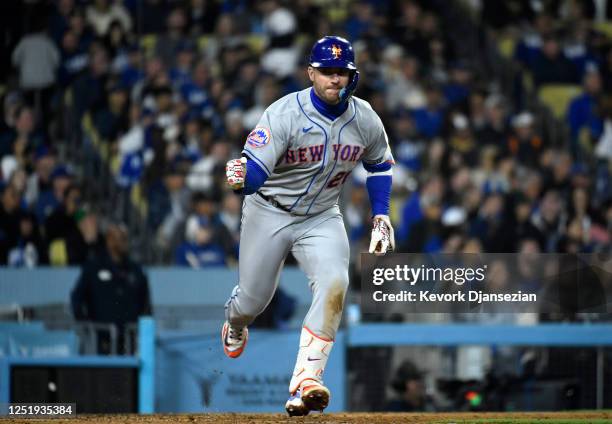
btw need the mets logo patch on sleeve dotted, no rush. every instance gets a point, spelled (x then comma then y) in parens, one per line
(259, 137)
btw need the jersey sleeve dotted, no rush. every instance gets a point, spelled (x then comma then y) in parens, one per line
(378, 152)
(267, 143)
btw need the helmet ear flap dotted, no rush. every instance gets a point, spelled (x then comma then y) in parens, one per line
(350, 88)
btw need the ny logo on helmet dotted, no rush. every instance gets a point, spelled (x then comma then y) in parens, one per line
(336, 51)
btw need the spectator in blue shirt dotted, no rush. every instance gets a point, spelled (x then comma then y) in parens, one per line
(551, 66)
(203, 244)
(581, 113)
(429, 119)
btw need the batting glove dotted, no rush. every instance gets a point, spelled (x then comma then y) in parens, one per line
(235, 171)
(383, 237)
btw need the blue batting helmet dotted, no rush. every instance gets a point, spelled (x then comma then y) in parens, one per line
(333, 52)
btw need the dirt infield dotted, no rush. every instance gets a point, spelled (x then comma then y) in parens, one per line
(592, 417)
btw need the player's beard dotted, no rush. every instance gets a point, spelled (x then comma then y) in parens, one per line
(330, 94)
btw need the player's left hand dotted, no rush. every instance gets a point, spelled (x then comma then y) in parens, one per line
(235, 172)
(383, 237)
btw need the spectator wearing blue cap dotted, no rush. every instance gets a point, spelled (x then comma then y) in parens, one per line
(39, 180)
(579, 48)
(430, 118)
(458, 88)
(180, 74)
(132, 72)
(49, 200)
(421, 214)
(204, 235)
(191, 146)
(196, 90)
(490, 225)
(74, 58)
(529, 47)
(551, 65)
(408, 145)
(29, 250)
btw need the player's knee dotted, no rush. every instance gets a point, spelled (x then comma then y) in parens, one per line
(253, 309)
(336, 286)
(244, 308)
(336, 281)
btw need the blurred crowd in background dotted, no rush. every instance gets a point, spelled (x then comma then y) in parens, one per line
(162, 93)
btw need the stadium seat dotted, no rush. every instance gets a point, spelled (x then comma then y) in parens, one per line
(58, 253)
(557, 97)
(395, 209)
(103, 147)
(256, 43)
(506, 45)
(202, 42)
(337, 11)
(68, 98)
(139, 201)
(303, 41)
(528, 83)
(604, 27)
(148, 43)
(585, 140)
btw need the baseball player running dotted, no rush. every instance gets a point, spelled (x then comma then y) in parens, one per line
(292, 169)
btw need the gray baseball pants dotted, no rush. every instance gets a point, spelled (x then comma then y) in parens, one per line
(320, 245)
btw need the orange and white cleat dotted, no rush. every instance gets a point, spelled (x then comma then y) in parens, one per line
(315, 396)
(311, 396)
(295, 406)
(234, 340)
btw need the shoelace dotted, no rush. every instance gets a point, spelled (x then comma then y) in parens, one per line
(234, 335)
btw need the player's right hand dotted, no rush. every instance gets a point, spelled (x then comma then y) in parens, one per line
(383, 236)
(235, 171)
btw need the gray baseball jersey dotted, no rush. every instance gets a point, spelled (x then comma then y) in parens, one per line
(307, 159)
